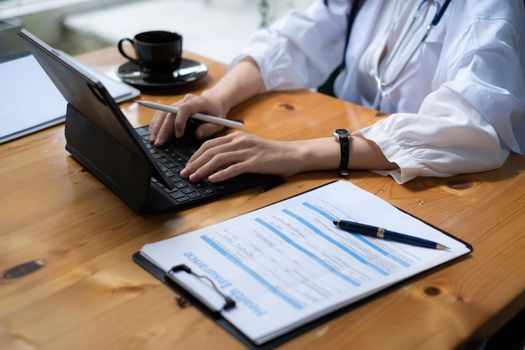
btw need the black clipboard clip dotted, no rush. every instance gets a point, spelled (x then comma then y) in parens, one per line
(229, 303)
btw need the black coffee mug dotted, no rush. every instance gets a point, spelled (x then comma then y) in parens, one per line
(157, 52)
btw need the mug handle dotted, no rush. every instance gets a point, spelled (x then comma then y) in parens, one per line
(123, 53)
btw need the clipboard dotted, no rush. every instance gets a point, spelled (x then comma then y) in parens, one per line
(187, 298)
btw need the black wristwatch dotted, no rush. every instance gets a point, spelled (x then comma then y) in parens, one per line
(343, 137)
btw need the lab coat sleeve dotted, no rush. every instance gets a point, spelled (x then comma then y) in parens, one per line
(471, 121)
(301, 49)
(445, 138)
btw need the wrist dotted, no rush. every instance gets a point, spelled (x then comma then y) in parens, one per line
(318, 154)
(218, 100)
(242, 82)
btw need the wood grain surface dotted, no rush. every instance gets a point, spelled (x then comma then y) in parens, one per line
(90, 295)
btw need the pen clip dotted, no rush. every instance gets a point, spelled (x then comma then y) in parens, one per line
(229, 303)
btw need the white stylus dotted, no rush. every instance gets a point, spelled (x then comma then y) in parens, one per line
(198, 116)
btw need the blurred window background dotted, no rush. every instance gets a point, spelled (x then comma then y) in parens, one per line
(214, 28)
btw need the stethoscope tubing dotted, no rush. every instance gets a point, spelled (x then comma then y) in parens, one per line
(381, 84)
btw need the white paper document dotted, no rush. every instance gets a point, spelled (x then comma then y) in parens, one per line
(287, 264)
(30, 101)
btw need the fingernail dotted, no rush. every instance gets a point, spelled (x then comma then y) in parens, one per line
(183, 172)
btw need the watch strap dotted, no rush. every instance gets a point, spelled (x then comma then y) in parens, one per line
(344, 144)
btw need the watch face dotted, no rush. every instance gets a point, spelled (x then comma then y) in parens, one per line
(339, 133)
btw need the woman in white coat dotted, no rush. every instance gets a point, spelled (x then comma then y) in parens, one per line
(456, 92)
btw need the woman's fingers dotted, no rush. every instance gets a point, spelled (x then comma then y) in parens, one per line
(191, 105)
(207, 129)
(229, 172)
(155, 125)
(208, 158)
(237, 153)
(208, 145)
(217, 161)
(224, 157)
(179, 124)
(165, 130)
(163, 124)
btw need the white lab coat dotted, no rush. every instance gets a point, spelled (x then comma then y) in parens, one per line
(458, 105)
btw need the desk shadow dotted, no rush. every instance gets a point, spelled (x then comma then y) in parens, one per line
(513, 167)
(168, 223)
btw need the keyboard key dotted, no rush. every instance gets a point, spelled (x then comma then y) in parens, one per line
(171, 159)
(142, 131)
(175, 179)
(206, 191)
(216, 187)
(169, 190)
(193, 195)
(181, 184)
(177, 194)
(182, 199)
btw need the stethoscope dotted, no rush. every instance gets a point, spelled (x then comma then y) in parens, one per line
(379, 76)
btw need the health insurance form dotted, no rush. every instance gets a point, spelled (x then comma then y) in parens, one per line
(287, 264)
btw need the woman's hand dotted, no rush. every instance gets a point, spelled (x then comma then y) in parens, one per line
(163, 124)
(237, 153)
(224, 157)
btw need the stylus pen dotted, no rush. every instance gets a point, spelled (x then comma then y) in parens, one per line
(379, 232)
(198, 116)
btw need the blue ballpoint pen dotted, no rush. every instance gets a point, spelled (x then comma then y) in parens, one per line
(367, 230)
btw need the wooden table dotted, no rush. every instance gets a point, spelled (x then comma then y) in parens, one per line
(89, 294)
